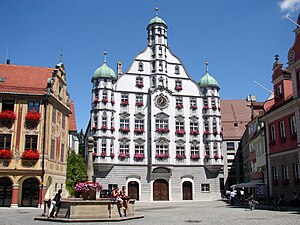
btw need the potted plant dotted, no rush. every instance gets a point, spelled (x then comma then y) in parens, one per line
(30, 155)
(88, 189)
(138, 130)
(33, 116)
(96, 100)
(140, 85)
(179, 106)
(161, 156)
(195, 157)
(124, 130)
(180, 132)
(216, 157)
(104, 100)
(194, 107)
(5, 154)
(103, 127)
(194, 132)
(206, 156)
(180, 156)
(112, 155)
(8, 115)
(124, 103)
(139, 156)
(206, 132)
(162, 130)
(139, 104)
(178, 88)
(122, 155)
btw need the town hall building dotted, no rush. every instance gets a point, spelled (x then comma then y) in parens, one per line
(157, 131)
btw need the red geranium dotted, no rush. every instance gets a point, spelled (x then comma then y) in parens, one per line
(31, 154)
(33, 116)
(5, 154)
(7, 115)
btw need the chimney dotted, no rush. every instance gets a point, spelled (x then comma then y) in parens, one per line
(119, 68)
(7, 61)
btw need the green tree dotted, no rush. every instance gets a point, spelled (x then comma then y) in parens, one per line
(76, 171)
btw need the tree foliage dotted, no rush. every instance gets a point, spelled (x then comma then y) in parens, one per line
(76, 171)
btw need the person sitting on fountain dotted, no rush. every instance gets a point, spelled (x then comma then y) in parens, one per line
(115, 195)
(124, 197)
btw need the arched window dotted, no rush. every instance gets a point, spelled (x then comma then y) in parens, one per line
(177, 70)
(141, 67)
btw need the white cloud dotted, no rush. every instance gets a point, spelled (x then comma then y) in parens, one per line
(289, 6)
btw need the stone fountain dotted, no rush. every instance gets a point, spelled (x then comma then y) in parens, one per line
(98, 210)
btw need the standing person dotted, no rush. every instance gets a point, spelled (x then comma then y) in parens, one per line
(232, 197)
(55, 202)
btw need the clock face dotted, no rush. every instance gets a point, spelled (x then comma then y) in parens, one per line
(161, 101)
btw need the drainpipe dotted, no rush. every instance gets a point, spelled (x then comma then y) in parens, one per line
(267, 163)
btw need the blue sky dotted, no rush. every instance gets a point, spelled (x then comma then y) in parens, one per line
(239, 38)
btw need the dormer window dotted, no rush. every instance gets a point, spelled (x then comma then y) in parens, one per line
(153, 81)
(278, 92)
(141, 67)
(178, 85)
(177, 70)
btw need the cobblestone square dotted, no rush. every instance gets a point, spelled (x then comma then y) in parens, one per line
(173, 213)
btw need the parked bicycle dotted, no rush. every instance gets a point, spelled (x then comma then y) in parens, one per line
(278, 203)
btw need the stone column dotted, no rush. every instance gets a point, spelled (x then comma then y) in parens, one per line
(90, 167)
(14, 196)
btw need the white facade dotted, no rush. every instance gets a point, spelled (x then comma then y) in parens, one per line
(157, 131)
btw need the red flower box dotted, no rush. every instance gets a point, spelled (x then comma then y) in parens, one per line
(205, 107)
(194, 132)
(123, 155)
(138, 156)
(139, 104)
(96, 100)
(195, 157)
(105, 100)
(104, 128)
(179, 106)
(162, 130)
(124, 103)
(33, 116)
(112, 155)
(103, 154)
(194, 107)
(139, 85)
(5, 154)
(112, 102)
(214, 107)
(206, 132)
(162, 156)
(124, 130)
(206, 156)
(216, 157)
(112, 129)
(95, 127)
(7, 115)
(31, 154)
(178, 88)
(180, 156)
(180, 132)
(139, 130)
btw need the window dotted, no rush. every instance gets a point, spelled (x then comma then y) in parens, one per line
(33, 106)
(53, 115)
(193, 102)
(205, 187)
(160, 81)
(293, 125)
(207, 152)
(160, 66)
(52, 150)
(230, 146)
(279, 91)
(63, 121)
(124, 123)
(179, 101)
(179, 125)
(153, 81)
(139, 149)
(180, 150)
(104, 95)
(103, 146)
(215, 149)
(272, 133)
(162, 148)
(285, 172)
(206, 125)
(161, 123)
(194, 126)
(141, 67)
(153, 66)
(213, 102)
(62, 152)
(5, 141)
(139, 124)
(124, 97)
(177, 69)
(8, 105)
(281, 129)
(124, 148)
(205, 102)
(160, 51)
(139, 99)
(214, 124)
(31, 142)
(153, 51)
(95, 121)
(95, 146)
(275, 172)
(104, 121)
(194, 150)
(139, 81)
(297, 171)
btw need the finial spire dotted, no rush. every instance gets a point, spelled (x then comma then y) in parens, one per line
(276, 57)
(206, 63)
(60, 56)
(105, 56)
(156, 10)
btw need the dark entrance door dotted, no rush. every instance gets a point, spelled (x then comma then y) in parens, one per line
(187, 190)
(5, 191)
(30, 192)
(133, 190)
(161, 190)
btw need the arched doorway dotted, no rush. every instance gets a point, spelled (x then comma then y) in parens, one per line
(5, 191)
(30, 192)
(160, 190)
(133, 190)
(187, 190)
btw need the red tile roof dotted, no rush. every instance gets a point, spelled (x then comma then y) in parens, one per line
(24, 79)
(235, 116)
(72, 120)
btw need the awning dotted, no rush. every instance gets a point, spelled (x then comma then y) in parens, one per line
(249, 184)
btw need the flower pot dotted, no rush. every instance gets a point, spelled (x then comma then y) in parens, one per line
(89, 195)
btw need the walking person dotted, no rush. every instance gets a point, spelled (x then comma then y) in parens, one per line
(55, 202)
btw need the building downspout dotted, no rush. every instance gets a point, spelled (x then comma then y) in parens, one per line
(267, 162)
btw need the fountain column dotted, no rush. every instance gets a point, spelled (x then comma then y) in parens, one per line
(90, 167)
